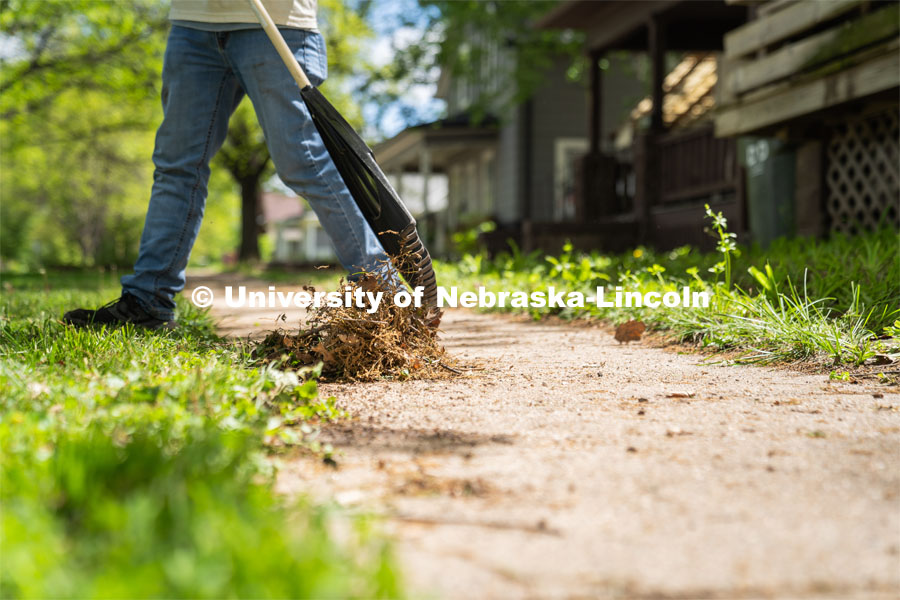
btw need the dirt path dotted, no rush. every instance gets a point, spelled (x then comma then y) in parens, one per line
(566, 469)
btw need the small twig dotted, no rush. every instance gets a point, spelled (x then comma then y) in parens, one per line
(449, 368)
(351, 319)
(423, 520)
(313, 330)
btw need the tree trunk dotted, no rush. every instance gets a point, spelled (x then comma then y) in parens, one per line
(250, 208)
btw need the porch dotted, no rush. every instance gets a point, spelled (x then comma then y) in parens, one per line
(455, 149)
(653, 190)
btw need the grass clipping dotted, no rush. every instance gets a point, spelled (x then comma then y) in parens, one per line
(355, 345)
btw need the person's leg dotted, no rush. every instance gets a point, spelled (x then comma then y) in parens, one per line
(199, 93)
(297, 150)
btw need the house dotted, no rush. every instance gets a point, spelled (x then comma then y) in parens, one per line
(425, 195)
(297, 238)
(444, 149)
(783, 114)
(811, 88)
(513, 164)
(651, 184)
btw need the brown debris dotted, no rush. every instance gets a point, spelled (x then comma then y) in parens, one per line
(354, 345)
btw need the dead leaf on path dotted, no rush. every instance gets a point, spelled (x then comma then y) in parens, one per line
(681, 394)
(630, 331)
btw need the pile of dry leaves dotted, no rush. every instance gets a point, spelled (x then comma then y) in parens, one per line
(354, 344)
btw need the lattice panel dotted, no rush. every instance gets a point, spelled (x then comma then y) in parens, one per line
(863, 173)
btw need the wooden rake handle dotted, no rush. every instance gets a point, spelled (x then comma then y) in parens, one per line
(281, 46)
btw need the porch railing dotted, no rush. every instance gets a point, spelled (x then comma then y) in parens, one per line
(695, 164)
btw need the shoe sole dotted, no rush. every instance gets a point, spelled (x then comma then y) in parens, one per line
(166, 325)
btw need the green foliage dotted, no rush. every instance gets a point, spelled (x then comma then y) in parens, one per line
(79, 198)
(488, 46)
(725, 244)
(473, 29)
(79, 100)
(165, 512)
(812, 299)
(219, 233)
(78, 45)
(134, 462)
(245, 156)
(466, 240)
(345, 31)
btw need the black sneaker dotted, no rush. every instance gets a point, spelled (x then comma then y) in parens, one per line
(126, 309)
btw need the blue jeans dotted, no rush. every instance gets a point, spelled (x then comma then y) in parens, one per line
(205, 76)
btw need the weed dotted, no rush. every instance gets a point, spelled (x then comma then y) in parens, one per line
(835, 300)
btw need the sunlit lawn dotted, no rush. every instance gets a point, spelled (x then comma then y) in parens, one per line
(133, 463)
(836, 300)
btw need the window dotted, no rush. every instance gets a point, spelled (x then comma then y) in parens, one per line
(566, 152)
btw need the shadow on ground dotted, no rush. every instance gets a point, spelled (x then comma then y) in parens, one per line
(407, 440)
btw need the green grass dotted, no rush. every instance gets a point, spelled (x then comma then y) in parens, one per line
(134, 463)
(834, 300)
